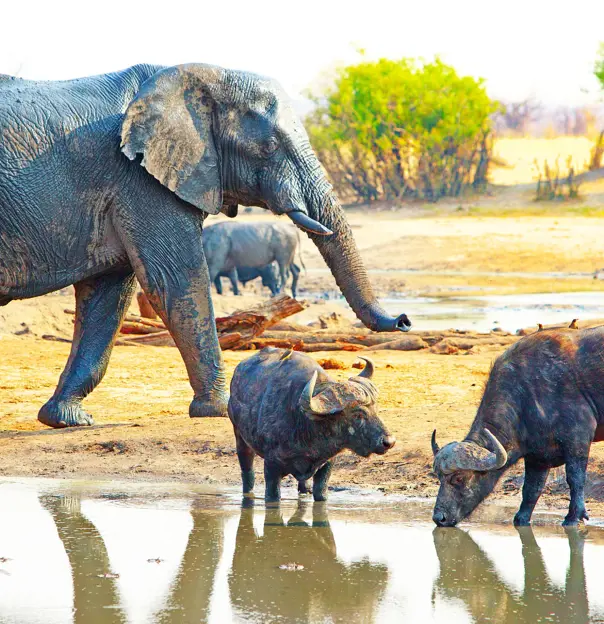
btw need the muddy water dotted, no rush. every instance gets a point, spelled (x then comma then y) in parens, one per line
(484, 313)
(94, 553)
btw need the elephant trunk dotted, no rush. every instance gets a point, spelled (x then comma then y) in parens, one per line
(342, 257)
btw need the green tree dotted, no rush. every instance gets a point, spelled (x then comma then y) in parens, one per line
(599, 67)
(391, 129)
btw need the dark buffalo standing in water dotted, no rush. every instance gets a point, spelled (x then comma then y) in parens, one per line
(543, 402)
(287, 409)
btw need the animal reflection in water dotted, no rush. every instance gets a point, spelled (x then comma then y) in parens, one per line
(325, 589)
(468, 574)
(94, 590)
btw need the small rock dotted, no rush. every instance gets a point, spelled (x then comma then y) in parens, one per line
(291, 567)
(333, 364)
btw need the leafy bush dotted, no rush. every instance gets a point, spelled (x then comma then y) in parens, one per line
(392, 129)
(599, 66)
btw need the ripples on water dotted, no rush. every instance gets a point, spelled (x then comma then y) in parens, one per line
(97, 553)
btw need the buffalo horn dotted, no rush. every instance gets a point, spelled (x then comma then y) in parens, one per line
(367, 372)
(308, 403)
(435, 447)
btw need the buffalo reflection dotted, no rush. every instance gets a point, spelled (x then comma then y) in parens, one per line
(467, 573)
(325, 589)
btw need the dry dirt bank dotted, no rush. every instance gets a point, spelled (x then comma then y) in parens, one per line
(144, 398)
(144, 431)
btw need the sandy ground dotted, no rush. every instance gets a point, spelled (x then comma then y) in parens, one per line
(141, 406)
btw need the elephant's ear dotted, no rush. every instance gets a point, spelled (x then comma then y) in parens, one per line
(169, 122)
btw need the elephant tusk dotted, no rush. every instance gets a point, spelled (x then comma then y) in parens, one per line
(304, 222)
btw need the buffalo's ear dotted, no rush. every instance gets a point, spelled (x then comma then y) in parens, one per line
(170, 123)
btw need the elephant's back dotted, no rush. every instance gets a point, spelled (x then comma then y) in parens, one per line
(35, 114)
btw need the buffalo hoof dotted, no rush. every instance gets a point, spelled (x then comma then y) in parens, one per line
(59, 414)
(575, 520)
(202, 408)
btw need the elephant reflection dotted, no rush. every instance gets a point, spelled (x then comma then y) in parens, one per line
(88, 559)
(96, 599)
(325, 589)
(193, 586)
(467, 573)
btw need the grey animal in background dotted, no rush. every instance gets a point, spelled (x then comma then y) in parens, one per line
(287, 409)
(543, 402)
(77, 207)
(268, 273)
(254, 244)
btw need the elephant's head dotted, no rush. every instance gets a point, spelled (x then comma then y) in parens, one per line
(219, 138)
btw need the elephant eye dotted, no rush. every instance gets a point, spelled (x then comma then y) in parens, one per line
(270, 147)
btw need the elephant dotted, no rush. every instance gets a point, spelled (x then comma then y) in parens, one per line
(108, 179)
(253, 244)
(244, 274)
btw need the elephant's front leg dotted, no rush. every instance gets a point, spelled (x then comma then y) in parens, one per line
(101, 304)
(170, 265)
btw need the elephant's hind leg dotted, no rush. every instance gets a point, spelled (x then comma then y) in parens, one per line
(101, 304)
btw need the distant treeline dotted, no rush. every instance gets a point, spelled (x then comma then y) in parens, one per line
(408, 129)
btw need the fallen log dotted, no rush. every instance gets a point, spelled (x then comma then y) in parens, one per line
(331, 346)
(234, 331)
(145, 308)
(134, 327)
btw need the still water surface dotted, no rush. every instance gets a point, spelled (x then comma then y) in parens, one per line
(93, 553)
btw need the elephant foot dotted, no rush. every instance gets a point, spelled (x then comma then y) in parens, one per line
(204, 408)
(60, 414)
(520, 520)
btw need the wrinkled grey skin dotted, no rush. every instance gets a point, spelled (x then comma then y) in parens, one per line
(268, 273)
(77, 208)
(543, 402)
(228, 245)
(273, 417)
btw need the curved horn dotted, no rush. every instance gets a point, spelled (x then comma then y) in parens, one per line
(435, 447)
(367, 372)
(311, 404)
(500, 456)
(304, 222)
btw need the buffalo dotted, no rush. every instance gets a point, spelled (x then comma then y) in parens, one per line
(543, 402)
(287, 409)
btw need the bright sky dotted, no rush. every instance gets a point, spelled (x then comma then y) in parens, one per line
(544, 48)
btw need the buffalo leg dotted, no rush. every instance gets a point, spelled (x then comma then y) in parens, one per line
(101, 304)
(303, 487)
(535, 477)
(234, 277)
(320, 480)
(575, 477)
(218, 284)
(246, 455)
(295, 271)
(272, 479)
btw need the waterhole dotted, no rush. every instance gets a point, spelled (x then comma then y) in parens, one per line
(96, 552)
